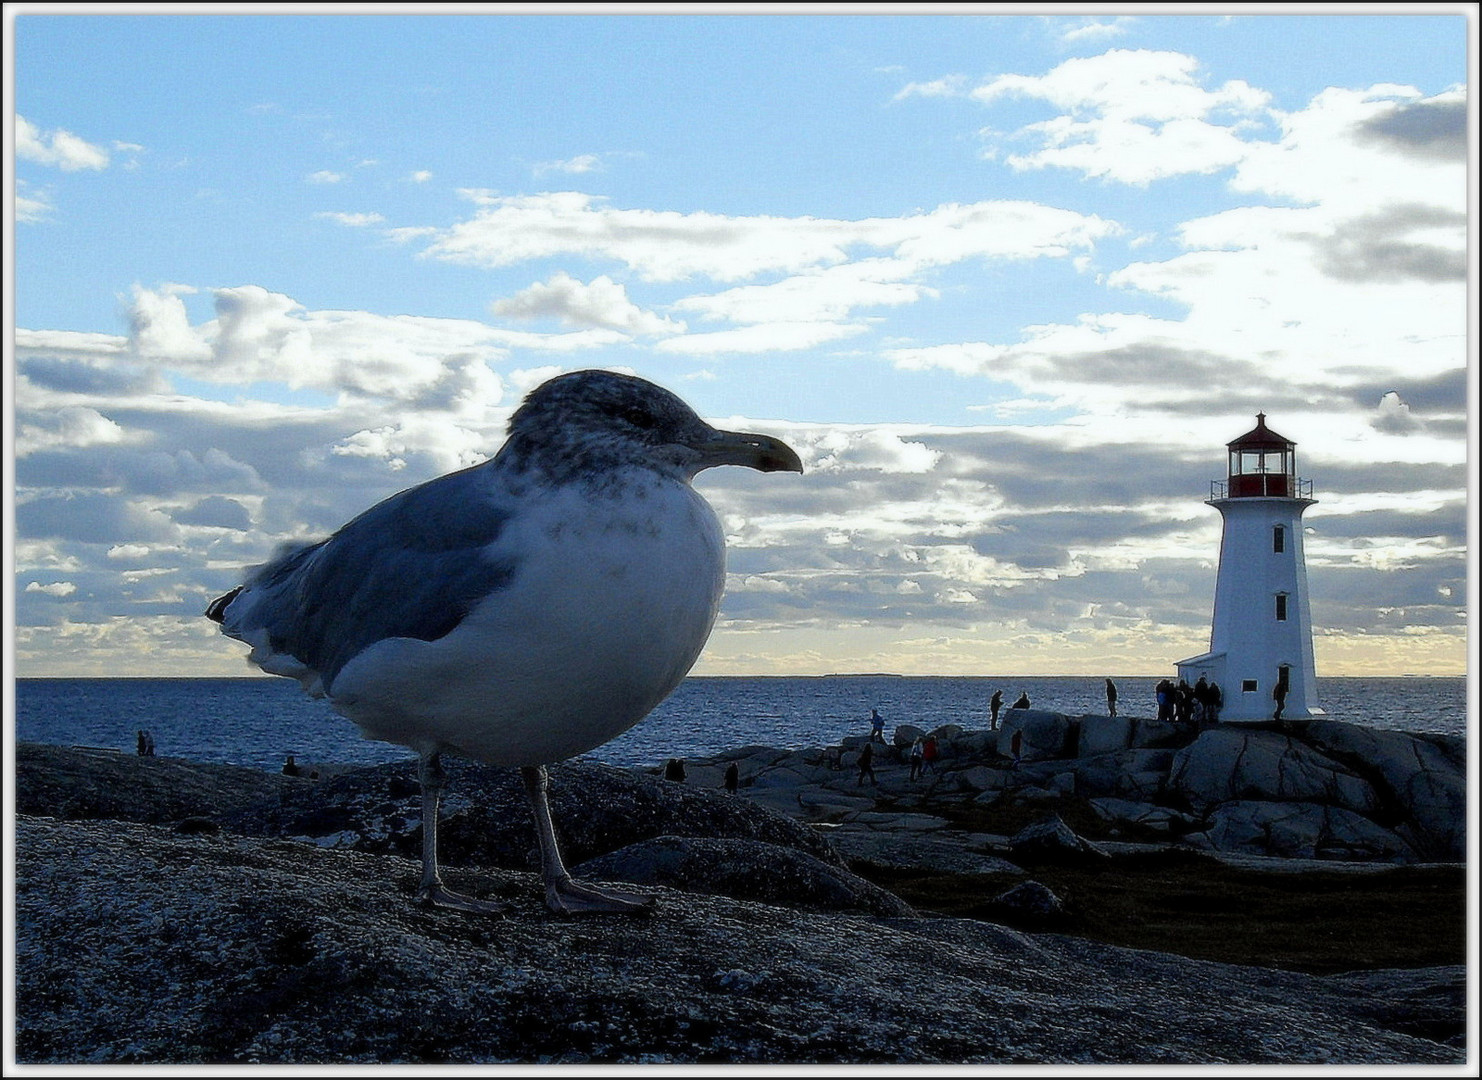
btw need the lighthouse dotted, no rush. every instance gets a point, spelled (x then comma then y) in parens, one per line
(1262, 630)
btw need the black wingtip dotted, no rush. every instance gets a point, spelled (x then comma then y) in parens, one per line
(216, 610)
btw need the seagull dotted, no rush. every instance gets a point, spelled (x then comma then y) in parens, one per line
(518, 612)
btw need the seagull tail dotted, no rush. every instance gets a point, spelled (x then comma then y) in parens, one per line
(216, 610)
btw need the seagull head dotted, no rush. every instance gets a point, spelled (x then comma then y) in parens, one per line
(595, 420)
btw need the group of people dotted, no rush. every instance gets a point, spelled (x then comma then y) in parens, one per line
(1185, 704)
(995, 703)
(923, 756)
(675, 771)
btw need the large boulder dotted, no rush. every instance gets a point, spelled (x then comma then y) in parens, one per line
(905, 735)
(1143, 815)
(71, 782)
(746, 870)
(1226, 764)
(1424, 775)
(1104, 735)
(1151, 732)
(974, 746)
(1050, 840)
(1300, 831)
(1047, 735)
(1131, 774)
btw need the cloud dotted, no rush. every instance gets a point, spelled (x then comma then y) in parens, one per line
(948, 86)
(582, 163)
(58, 589)
(356, 221)
(215, 511)
(73, 426)
(325, 176)
(601, 303)
(58, 148)
(421, 176)
(830, 294)
(159, 326)
(668, 246)
(1087, 28)
(1436, 128)
(31, 205)
(1133, 116)
(1395, 243)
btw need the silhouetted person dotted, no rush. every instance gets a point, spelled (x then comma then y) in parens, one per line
(1201, 700)
(674, 770)
(995, 703)
(929, 754)
(1279, 693)
(867, 764)
(1183, 701)
(917, 756)
(1164, 692)
(290, 768)
(1016, 747)
(1216, 701)
(143, 743)
(1022, 703)
(733, 777)
(877, 726)
(1111, 698)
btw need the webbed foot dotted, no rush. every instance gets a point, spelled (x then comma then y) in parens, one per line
(440, 896)
(571, 897)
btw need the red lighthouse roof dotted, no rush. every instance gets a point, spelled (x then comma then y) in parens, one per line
(1261, 437)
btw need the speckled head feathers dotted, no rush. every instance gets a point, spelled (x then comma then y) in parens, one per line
(585, 422)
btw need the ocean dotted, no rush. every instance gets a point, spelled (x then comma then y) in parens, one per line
(259, 721)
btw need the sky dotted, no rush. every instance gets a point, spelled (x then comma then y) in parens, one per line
(1007, 282)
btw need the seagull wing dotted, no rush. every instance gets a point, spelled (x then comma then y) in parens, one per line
(412, 566)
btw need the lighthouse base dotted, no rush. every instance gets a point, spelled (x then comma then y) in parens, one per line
(1242, 698)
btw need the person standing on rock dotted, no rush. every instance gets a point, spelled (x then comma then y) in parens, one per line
(1279, 694)
(917, 756)
(867, 764)
(995, 703)
(1023, 702)
(877, 726)
(1111, 698)
(1016, 747)
(733, 778)
(929, 754)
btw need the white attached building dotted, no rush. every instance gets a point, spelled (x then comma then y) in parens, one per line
(1262, 629)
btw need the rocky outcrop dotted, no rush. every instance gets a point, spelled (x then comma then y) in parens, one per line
(1301, 789)
(229, 949)
(746, 869)
(74, 782)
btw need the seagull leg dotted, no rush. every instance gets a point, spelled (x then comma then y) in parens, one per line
(432, 891)
(563, 894)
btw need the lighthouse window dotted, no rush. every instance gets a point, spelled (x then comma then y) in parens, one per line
(1248, 686)
(1278, 539)
(1281, 607)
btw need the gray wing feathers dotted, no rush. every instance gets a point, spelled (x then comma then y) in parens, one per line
(412, 566)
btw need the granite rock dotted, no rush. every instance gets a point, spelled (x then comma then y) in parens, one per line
(229, 949)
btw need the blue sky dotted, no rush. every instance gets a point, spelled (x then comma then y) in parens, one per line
(1009, 282)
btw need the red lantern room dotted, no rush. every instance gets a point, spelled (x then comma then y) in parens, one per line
(1263, 464)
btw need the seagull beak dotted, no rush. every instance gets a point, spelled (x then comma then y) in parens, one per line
(760, 452)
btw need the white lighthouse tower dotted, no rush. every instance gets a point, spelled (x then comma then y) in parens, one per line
(1262, 630)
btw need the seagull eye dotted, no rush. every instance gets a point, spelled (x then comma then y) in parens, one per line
(639, 418)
